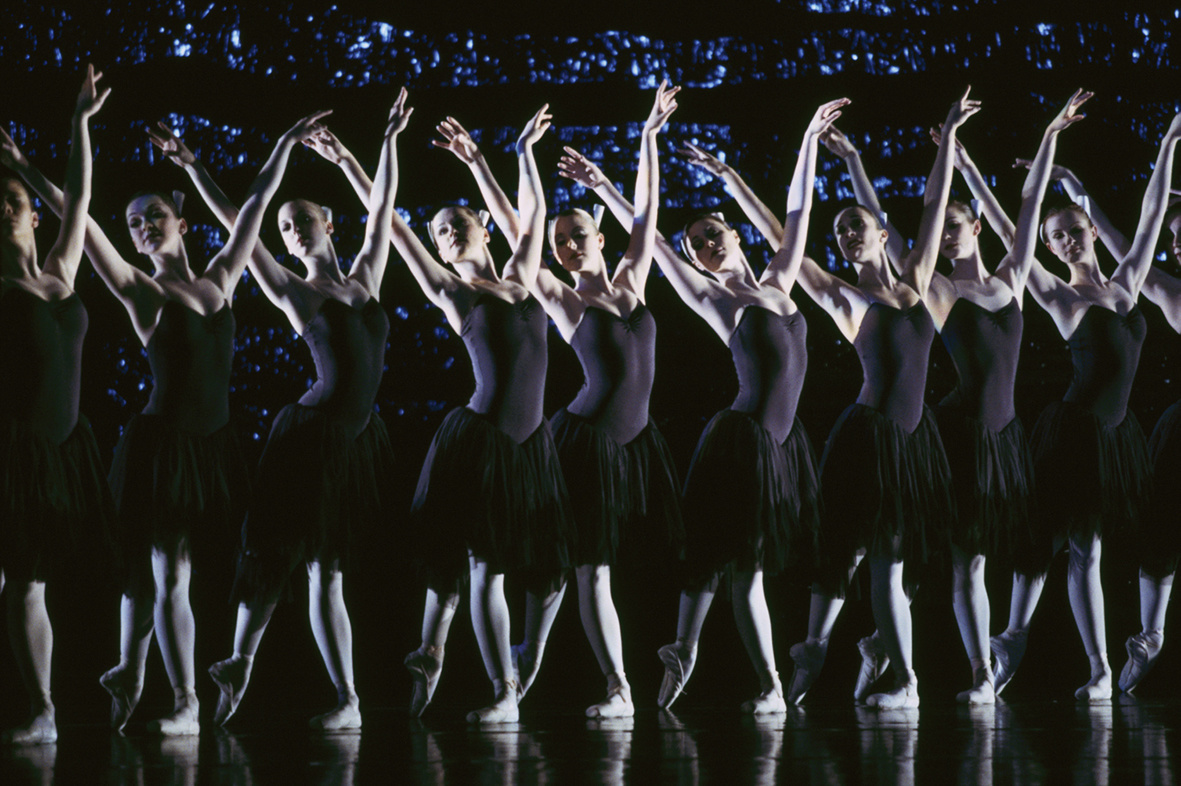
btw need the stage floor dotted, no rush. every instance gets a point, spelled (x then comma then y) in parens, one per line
(1125, 741)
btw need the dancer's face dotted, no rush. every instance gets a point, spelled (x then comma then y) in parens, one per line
(1070, 236)
(304, 227)
(859, 237)
(457, 231)
(712, 243)
(18, 217)
(153, 224)
(959, 233)
(577, 242)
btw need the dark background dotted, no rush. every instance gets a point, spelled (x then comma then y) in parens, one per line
(232, 79)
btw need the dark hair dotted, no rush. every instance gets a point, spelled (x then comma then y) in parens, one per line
(875, 217)
(711, 215)
(167, 197)
(963, 207)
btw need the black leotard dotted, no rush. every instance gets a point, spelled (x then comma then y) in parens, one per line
(984, 346)
(894, 346)
(191, 356)
(348, 348)
(1104, 354)
(770, 357)
(618, 357)
(507, 344)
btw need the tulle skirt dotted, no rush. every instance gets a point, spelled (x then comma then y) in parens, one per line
(176, 491)
(317, 493)
(626, 498)
(54, 501)
(749, 501)
(1091, 479)
(1160, 545)
(505, 503)
(884, 490)
(992, 482)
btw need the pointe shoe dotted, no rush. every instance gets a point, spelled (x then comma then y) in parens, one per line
(809, 660)
(1098, 688)
(618, 704)
(1143, 650)
(676, 674)
(503, 710)
(982, 690)
(125, 689)
(425, 665)
(41, 730)
(526, 664)
(769, 702)
(874, 662)
(1008, 648)
(904, 697)
(346, 715)
(181, 723)
(231, 676)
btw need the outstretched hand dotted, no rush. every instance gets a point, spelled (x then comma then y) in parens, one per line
(826, 115)
(580, 169)
(307, 127)
(10, 153)
(325, 143)
(1057, 171)
(961, 155)
(962, 109)
(399, 114)
(699, 158)
(90, 100)
(167, 142)
(535, 128)
(1069, 114)
(663, 107)
(836, 142)
(456, 139)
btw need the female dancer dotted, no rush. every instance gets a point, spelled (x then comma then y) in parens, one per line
(1091, 458)
(320, 471)
(750, 494)
(54, 493)
(178, 472)
(617, 465)
(491, 497)
(885, 477)
(1160, 546)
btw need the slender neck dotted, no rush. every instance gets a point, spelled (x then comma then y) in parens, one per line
(18, 258)
(323, 266)
(1086, 272)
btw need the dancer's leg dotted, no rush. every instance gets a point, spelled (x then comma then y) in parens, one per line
(541, 609)
(490, 620)
(970, 601)
(426, 663)
(754, 626)
(31, 635)
(334, 637)
(176, 634)
(891, 612)
(823, 612)
(1144, 647)
(233, 674)
(125, 682)
(1086, 601)
(1009, 646)
(680, 656)
(600, 621)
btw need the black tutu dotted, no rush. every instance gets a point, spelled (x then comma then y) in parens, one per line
(506, 503)
(992, 482)
(54, 501)
(625, 498)
(1160, 544)
(749, 501)
(319, 488)
(1091, 479)
(884, 490)
(175, 491)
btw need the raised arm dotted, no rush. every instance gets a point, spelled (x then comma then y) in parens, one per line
(1016, 266)
(225, 269)
(918, 266)
(460, 142)
(988, 205)
(632, 272)
(66, 255)
(762, 216)
(863, 191)
(325, 143)
(1134, 266)
(785, 265)
(525, 262)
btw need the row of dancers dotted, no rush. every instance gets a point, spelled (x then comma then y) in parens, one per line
(503, 491)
